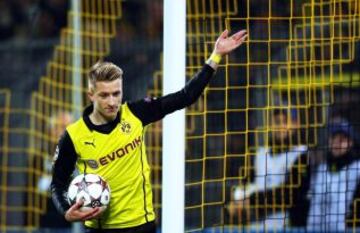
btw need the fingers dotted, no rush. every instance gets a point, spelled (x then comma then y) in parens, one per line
(240, 35)
(244, 38)
(224, 34)
(77, 205)
(74, 213)
(69, 215)
(82, 215)
(91, 214)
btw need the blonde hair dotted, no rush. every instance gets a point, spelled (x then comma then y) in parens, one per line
(103, 71)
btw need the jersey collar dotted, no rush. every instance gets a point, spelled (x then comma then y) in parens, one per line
(104, 128)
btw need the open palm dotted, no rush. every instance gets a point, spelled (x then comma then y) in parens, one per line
(225, 44)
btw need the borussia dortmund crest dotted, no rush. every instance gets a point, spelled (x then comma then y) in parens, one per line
(125, 127)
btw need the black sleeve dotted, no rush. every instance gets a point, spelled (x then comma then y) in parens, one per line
(153, 109)
(64, 165)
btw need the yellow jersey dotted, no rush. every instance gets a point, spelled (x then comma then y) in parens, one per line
(120, 158)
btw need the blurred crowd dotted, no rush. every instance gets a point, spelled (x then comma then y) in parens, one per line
(296, 185)
(29, 30)
(21, 19)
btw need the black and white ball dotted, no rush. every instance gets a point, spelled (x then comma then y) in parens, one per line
(92, 189)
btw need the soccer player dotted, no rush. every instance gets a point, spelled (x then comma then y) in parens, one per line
(108, 140)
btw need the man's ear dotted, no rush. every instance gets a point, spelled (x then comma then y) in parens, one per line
(90, 94)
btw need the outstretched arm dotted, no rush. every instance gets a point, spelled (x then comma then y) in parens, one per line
(153, 109)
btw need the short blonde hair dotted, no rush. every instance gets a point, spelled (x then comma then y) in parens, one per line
(104, 71)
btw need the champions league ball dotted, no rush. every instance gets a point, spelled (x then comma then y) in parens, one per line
(92, 189)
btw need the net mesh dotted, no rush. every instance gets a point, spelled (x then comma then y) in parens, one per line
(60, 95)
(300, 61)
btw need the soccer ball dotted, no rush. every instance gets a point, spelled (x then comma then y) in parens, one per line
(92, 189)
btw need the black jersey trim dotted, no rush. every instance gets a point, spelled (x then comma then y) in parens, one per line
(104, 128)
(143, 176)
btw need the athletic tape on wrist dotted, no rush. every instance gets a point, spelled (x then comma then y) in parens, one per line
(215, 58)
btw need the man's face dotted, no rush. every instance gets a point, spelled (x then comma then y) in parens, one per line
(107, 98)
(281, 127)
(339, 144)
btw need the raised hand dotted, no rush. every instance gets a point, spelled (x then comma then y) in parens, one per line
(225, 44)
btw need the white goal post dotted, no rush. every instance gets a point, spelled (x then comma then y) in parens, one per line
(173, 153)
